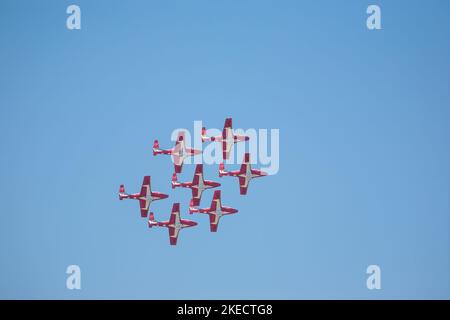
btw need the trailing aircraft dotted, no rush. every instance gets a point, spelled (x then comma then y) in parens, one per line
(174, 224)
(215, 211)
(145, 197)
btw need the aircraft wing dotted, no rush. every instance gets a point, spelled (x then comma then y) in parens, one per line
(198, 171)
(198, 175)
(213, 222)
(177, 153)
(258, 173)
(175, 215)
(145, 189)
(226, 149)
(243, 184)
(177, 162)
(144, 207)
(196, 193)
(228, 124)
(216, 202)
(245, 163)
(192, 152)
(173, 235)
(174, 219)
(178, 167)
(227, 132)
(240, 138)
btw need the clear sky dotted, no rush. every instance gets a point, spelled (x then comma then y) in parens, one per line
(364, 147)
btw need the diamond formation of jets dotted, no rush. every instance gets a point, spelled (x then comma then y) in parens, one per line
(198, 185)
(145, 197)
(215, 211)
(245, 174)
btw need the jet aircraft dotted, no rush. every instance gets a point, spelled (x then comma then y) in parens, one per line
(174, 224)
(245, 174)
(178, 153)
(215, 211)
(198, 184)
(228, 138)
(145, 197)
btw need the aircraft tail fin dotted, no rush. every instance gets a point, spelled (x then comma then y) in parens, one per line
(151, 220)
(204, 136)
(155, 147)
(222, 171)
(174, 181)
(192, 208)
(121, 192)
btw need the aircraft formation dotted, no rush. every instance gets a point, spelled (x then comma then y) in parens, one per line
(198, 185)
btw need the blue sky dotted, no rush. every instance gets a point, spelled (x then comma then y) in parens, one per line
(364, 158)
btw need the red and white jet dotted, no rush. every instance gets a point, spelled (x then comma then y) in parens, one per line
(175, 223)
(215, 211)
(178, 153)
(245, 174)
(145, 197)
(198, 184)
(228, 138)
